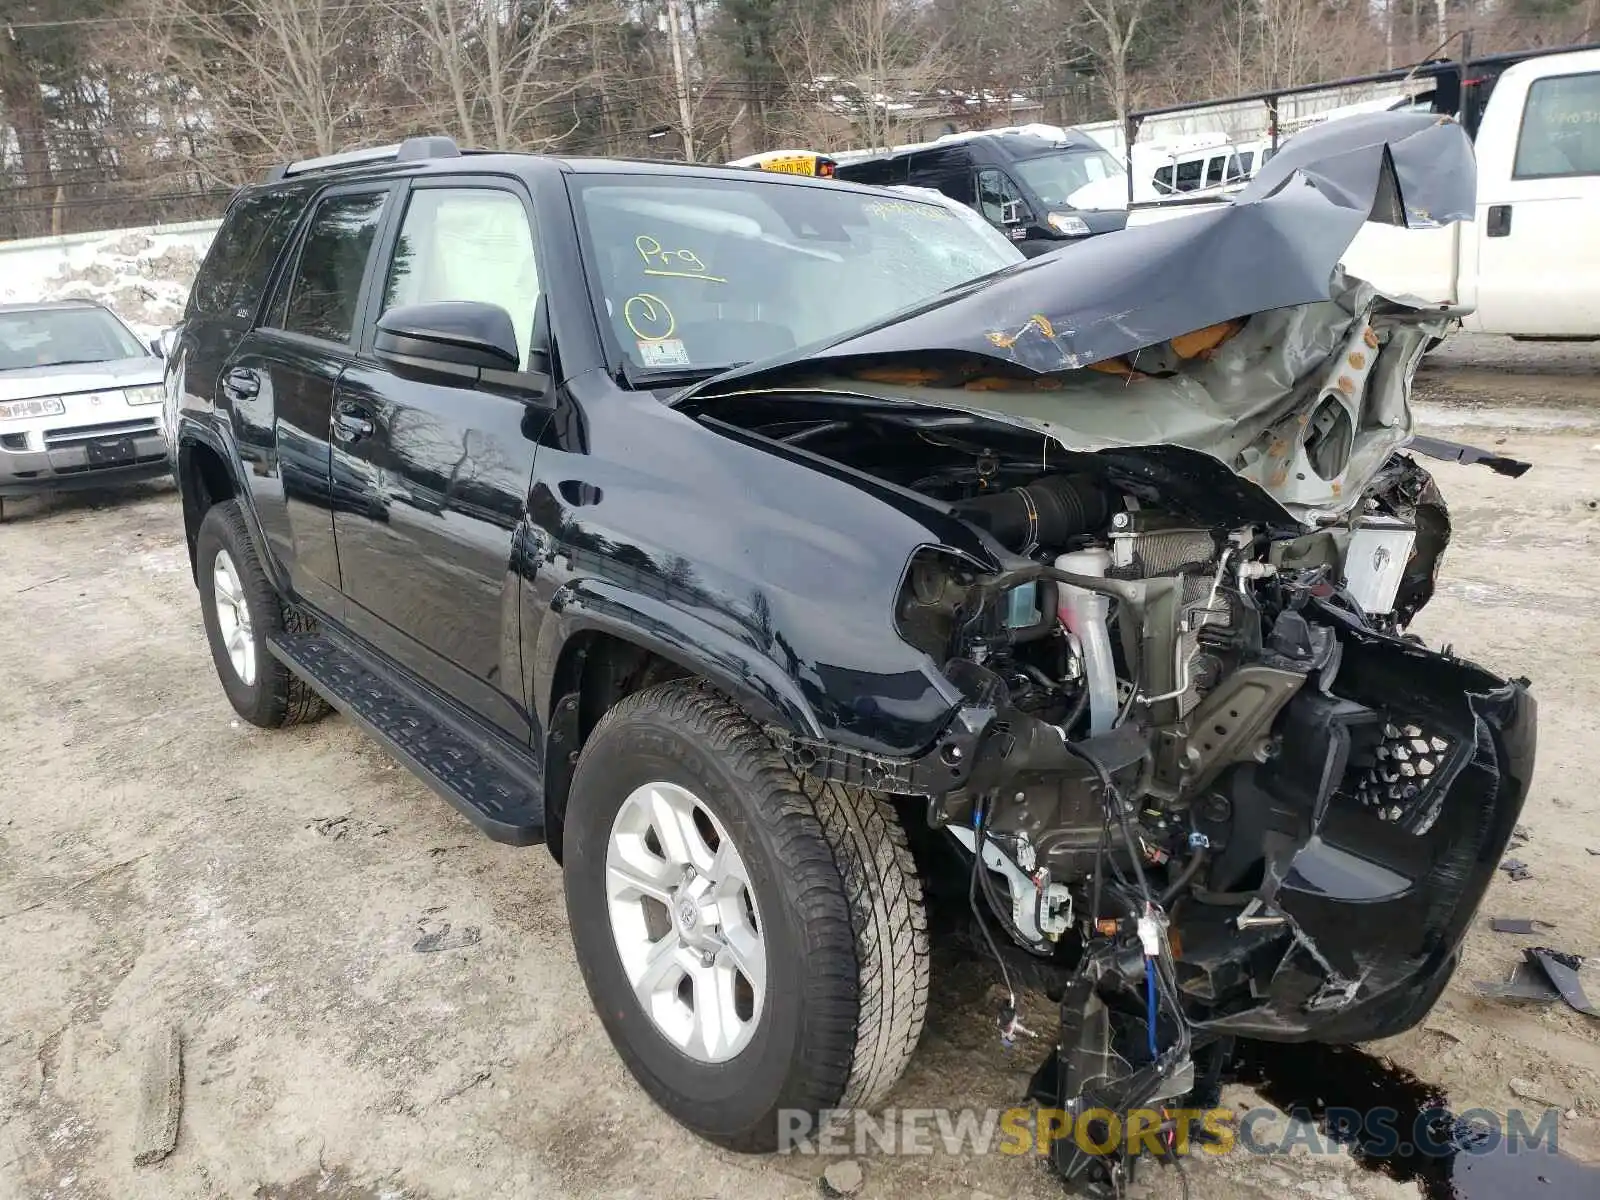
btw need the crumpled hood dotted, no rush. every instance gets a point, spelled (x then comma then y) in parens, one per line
(1276, 245)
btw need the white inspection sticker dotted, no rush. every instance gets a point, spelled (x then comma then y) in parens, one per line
(663, 352)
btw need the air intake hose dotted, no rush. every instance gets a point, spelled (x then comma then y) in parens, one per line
(1045, 513)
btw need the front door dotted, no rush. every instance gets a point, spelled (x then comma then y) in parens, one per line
(430, 476)
(1537, 232)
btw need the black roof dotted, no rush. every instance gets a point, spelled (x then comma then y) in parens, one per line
(1012, 145)
(426, 155)
(435, 156)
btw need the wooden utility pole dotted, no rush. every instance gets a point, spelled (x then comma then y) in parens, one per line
(685, 110)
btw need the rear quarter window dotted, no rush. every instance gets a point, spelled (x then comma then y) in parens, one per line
(234, 274)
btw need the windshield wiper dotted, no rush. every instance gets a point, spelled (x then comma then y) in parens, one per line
(669, 377)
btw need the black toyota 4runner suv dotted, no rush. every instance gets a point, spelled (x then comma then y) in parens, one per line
(805, 568)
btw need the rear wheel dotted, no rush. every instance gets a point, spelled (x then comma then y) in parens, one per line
(753, 943)
(241, 609)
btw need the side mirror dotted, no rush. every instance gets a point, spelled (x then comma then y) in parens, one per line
(165, 342)
(459, 337)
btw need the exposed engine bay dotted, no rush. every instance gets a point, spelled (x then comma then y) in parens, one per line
(1197, 773)
(1194, 730)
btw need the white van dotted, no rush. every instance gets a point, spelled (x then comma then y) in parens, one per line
(1218, 163)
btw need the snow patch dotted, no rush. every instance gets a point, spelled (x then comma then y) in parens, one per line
(143, 275)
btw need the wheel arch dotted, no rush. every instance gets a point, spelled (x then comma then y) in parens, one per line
(600, 644)
(208, 473)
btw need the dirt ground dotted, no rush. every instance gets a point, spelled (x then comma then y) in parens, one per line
(162, 863)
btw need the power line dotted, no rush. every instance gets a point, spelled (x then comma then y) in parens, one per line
(120, 201)
(242, 11)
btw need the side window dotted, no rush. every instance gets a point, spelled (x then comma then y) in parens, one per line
(1560, 128)
(240, 257)
(322, 294)
(998, 197)
(467, 244)
(947, 170)
(1188, 178)
(1214, 169)
(1163, 179)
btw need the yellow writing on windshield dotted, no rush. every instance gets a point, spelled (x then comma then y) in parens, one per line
(649, 317)
(676, 264)
(905, 208)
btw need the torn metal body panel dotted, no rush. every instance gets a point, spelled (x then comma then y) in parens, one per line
(1194, 765)
(1301, 388)
(1275, 246)
(1304, 403)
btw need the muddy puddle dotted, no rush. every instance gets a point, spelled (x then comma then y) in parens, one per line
(1405, 1128)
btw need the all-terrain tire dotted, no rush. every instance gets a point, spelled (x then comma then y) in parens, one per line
(841, 909)
(275, 697)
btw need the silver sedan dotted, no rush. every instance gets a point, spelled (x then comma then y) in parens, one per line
(80, 400)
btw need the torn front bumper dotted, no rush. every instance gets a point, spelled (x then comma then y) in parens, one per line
(1325, 916)
(1360, 913)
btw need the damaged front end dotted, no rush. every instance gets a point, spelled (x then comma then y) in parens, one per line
(1200, 775)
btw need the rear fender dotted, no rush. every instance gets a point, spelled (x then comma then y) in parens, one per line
(218, 440)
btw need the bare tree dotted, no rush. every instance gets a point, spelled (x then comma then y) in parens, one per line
(873, 54)
(1110, 27)
(273, 77)
(494, 62)
(22, 103)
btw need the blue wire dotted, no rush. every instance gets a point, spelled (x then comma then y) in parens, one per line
(1150, 1002)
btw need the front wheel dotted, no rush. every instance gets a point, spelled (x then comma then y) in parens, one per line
(755, 945)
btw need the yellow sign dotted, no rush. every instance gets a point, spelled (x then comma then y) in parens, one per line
(798, 164)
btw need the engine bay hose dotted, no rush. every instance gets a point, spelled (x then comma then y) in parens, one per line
(1046, 512)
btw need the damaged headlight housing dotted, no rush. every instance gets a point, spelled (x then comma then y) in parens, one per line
(1067, 224)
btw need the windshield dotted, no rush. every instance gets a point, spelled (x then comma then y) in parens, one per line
(702, 274)
(1054, 177)
(51, 337)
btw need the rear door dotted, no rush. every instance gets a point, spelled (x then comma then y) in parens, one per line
(279, 382)
(1537, 235)
(431, 475)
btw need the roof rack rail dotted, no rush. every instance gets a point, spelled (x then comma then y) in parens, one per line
(411, 150)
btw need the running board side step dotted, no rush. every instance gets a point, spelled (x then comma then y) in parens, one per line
(504, 799)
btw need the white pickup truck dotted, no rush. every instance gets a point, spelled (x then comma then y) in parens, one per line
(1529, 265)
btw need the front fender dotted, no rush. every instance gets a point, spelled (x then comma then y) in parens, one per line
(758, 683)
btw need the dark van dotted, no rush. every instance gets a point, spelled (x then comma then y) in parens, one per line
(1021, 182)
